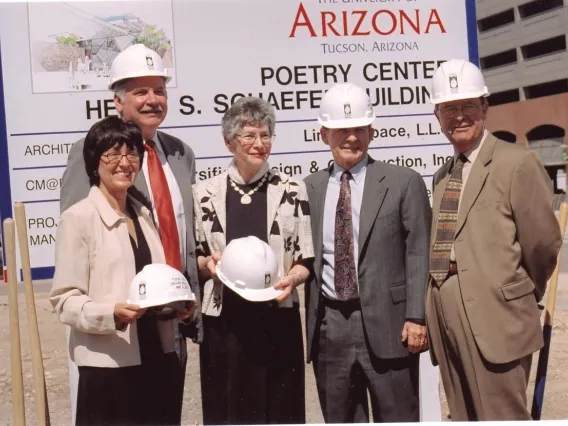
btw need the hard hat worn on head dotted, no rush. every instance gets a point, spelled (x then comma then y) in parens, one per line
(159, 284)
(136, 61)
(455, 80)
(248, 266)
(345, 105)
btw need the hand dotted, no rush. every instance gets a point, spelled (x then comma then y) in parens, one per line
(186, 313)
(211, 263)
(415, 335)
(287, 284)
(125, 313)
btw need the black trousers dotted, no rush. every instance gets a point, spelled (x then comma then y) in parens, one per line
(146, 394)
(345, 371)
(252, 364)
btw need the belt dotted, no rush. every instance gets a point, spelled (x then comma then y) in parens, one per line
(341, 305)
(453, 269)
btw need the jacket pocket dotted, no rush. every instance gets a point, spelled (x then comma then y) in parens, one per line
(518, 288)
(398, 292)
(480, 205)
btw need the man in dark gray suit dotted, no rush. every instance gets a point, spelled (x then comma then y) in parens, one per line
(365, 300)
(138, 80)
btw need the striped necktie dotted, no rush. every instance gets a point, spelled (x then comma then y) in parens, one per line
(447, 220)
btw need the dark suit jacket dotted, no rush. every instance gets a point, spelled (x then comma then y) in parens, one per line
(180, 157)
(506, 243)
(394, 235)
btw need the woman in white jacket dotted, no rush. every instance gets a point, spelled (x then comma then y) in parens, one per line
(126, 357)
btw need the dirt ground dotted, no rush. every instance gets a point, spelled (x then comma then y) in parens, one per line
(56, 373)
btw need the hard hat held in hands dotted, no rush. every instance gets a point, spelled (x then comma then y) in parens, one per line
(345, 106)
(159, 284)
(136, 61)
(455, 80)
(248, 266)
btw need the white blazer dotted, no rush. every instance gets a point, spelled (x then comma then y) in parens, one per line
(94, 265)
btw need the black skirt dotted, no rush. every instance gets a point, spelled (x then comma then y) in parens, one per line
(147, 394)
(252, 364)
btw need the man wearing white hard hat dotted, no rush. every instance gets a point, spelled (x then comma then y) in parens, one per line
(494, 245)
(365, 304)
(138, 79)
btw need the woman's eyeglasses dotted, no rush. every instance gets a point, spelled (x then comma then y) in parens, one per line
(115, 158)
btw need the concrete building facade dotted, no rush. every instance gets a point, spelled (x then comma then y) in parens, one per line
(524, 58)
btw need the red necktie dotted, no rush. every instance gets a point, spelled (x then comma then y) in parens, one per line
(164, 207)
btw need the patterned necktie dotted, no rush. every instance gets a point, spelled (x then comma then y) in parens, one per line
(164, 207)
(345, 272)
(447, 220)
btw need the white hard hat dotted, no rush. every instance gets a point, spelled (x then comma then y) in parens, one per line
(248, 266)
(159, 284)
(345, 105)
(457, 79)
(136, 61)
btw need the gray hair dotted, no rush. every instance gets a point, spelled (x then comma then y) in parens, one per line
(249, 111)
(120, 92)
(120, 89)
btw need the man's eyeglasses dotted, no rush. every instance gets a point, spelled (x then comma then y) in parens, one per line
(115, 158)
(465, 110)
(248, 139)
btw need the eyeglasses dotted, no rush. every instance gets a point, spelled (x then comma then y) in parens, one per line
(248, 139)
(115, 158)
(466, 110)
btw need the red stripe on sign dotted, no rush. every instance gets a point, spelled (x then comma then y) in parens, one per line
(5, 275)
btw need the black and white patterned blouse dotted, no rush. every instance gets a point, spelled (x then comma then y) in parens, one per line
(289, 228)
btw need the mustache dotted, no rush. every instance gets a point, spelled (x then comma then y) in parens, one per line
(452, 129)
(152, 110)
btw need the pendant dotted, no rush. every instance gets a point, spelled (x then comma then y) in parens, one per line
(245, 199)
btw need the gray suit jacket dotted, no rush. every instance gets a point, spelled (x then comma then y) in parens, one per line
(394, 235)
(180, 157)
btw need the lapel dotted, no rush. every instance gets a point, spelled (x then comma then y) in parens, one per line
(217, 189)
(373, 195)
(179, 168)
(140, 192)
(476, 180)
(150, 232)
(109, 217)
(317, 197)
(274, 195)
(439, 189)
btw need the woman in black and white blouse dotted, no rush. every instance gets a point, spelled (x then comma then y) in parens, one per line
(252, 366)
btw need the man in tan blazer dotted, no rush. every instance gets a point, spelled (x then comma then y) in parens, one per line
(495, 241)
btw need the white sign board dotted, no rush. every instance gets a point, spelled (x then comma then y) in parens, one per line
(55, 59)
(56, 56)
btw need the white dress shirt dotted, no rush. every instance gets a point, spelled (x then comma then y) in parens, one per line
(175, 194)
(357, 184)
(471, 155)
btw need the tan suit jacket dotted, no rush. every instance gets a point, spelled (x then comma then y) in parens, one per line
(94, 265)
(506, 245)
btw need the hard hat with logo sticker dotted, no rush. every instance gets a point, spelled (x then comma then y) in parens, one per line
(159, 284)
(136, 61)
(455, 80)
(345, 105)
(248, 266)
